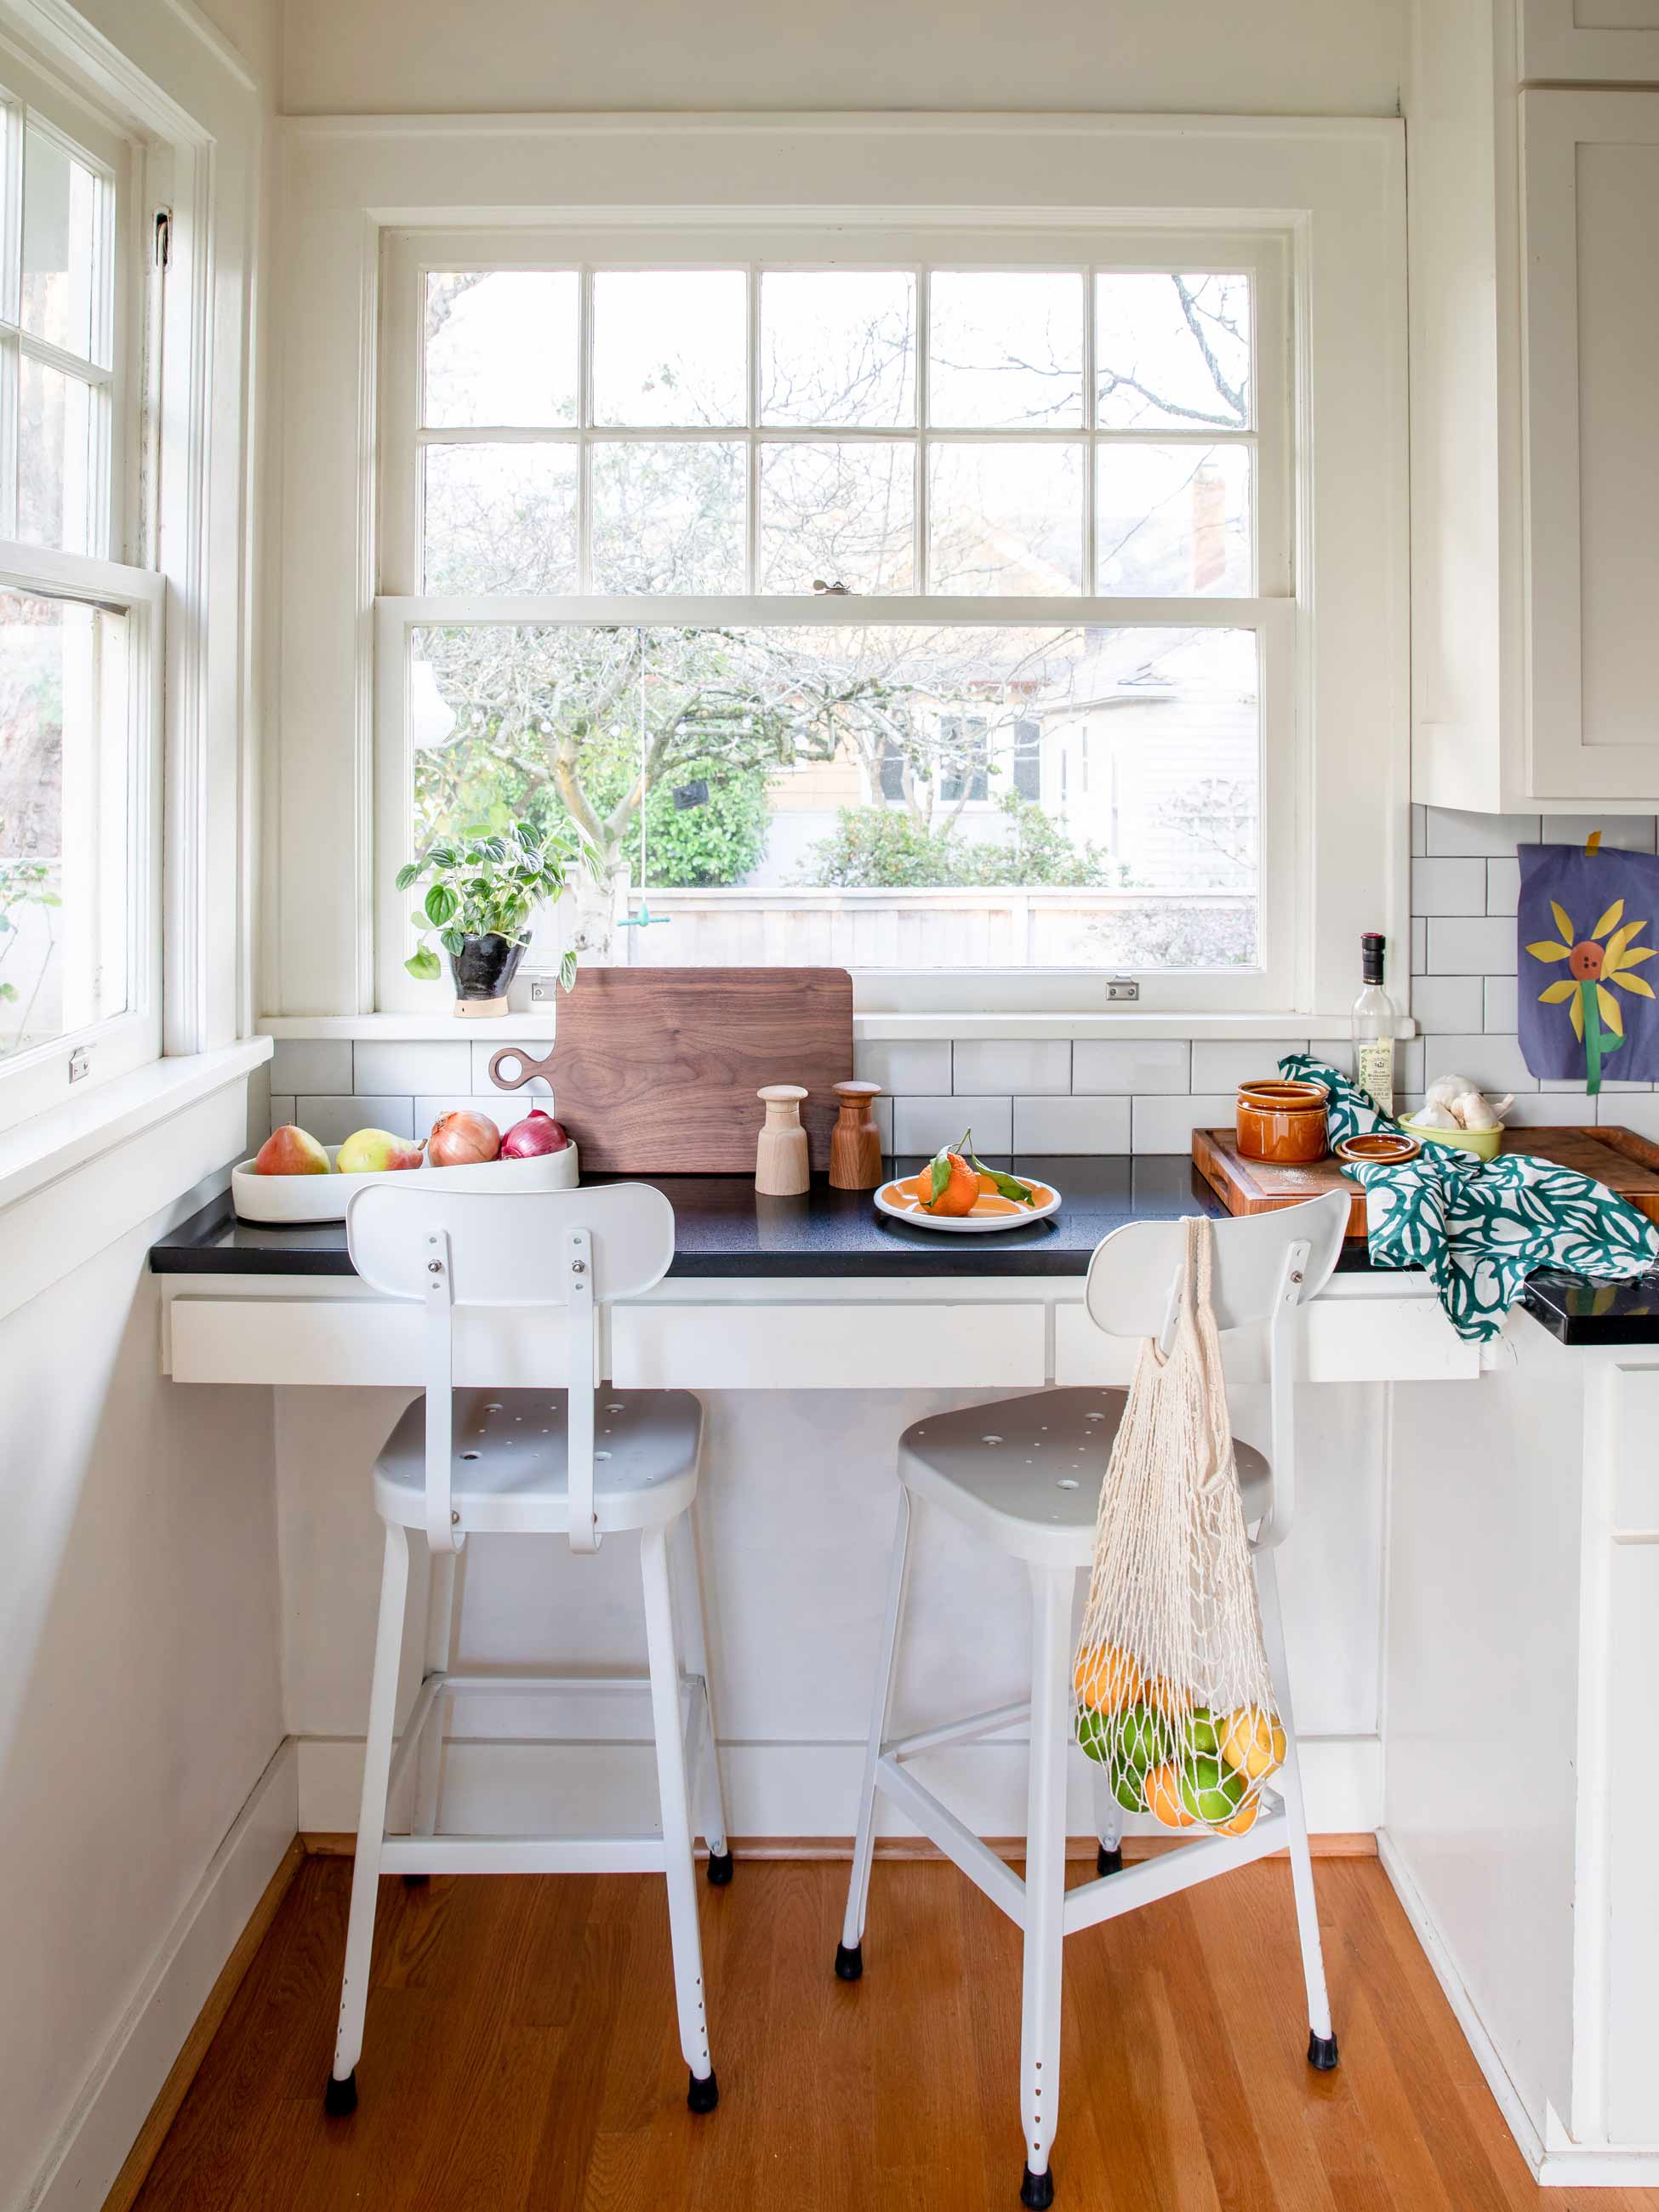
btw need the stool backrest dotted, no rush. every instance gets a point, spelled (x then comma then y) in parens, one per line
(1265, 1265)
(568, 1252)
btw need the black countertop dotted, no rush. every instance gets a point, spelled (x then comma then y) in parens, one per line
(721, 1228)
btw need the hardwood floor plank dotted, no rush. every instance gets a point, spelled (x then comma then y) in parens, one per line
(521, 2056)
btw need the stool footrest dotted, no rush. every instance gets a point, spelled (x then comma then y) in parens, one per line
(1138, 1884)
(958, 1843)
(523, 1855)
(963, 1731)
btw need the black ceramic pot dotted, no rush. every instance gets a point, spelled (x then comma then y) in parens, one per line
(484, 966)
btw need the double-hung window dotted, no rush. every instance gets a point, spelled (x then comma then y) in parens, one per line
(80, 642)
(921, 602)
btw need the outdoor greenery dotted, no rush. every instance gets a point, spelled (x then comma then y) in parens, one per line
(884, 848)
(23, 883)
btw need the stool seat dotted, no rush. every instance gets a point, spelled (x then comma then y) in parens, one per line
(1026, 1472)
(508, 1471)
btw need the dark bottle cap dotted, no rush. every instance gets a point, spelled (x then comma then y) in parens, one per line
(1371, 945)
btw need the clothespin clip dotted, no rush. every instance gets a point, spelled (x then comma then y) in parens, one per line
(1592, 844)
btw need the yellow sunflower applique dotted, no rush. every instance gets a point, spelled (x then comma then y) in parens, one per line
(1592, 965)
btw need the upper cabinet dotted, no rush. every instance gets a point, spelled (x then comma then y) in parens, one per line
(1534, 243)
(1589, 41)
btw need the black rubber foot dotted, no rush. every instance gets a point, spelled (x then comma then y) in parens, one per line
(1037, 2189)
(342, 2096)
(416, 1880)
(849, 1962)
(720, 1870)
(1107, 1861)
(703, 2096)
(1322, 2051)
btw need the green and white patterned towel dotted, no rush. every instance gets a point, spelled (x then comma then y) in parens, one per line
(1478, 1228)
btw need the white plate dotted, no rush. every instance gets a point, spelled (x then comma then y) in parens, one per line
(298, 1197)
(964, 1225)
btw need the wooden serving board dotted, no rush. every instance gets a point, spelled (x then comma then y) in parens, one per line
(655, 1069)
(1627, 1164)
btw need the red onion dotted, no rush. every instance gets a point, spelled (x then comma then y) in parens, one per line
(538, 1132)
(459, 1141)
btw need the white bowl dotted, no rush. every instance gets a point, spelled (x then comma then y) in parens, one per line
(299, 1198)
(960, 1224)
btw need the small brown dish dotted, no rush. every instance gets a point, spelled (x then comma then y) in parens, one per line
(1282, 1121)
(1375, 1148)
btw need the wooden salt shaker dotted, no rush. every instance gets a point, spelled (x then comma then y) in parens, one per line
(855, 1141)
(782, 1166)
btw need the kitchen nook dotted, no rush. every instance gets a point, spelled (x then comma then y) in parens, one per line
(829, 1106)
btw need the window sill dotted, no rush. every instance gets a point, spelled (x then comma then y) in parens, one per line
(868, 1029)
(65, 1137)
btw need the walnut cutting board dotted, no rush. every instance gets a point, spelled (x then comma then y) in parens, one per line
(655, 1069)
(1627, 1164)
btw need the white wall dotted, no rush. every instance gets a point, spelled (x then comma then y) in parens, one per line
(1213, 57)
(798, 1497)
(139, 1680)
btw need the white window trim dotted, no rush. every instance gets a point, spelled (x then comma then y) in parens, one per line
(1334, 187)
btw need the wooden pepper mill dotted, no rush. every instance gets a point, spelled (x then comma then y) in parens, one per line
(855, 1141)
(782, 1166)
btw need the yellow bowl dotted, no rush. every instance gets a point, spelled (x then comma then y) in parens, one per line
(1484, 1144)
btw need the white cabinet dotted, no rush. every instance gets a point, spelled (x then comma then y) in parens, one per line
(1535, 440)
(1589, 171)
(1589, 41)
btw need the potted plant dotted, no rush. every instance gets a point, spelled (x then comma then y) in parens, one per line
(482, 886)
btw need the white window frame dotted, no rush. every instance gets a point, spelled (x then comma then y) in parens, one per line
(1270, 612)
(32, 1081)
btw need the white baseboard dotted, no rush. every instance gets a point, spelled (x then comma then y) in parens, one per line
(127, 2077)
(499, 1786)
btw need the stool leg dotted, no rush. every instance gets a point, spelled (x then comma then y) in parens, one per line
(849, 1956)
(1321, 2040)
(1108, 1824)
(371, 1821)
(440, 1628)
(676, 1817)
(1045, 1876)
(693, 1618)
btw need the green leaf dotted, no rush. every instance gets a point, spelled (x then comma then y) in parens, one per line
(452, 941)
(568, 972)
(528, 836)
(47, 898)
(424, 965)
(940, 1169)
(1010, 1186)
(407, 874)
(440, 905)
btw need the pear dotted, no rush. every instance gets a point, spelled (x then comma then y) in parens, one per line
(376, 1152)
(288, 1150)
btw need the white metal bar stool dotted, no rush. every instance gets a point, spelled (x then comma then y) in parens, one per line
(494, 1462)
(1025, 1474)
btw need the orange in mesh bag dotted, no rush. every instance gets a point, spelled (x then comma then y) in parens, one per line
(1173, 1693)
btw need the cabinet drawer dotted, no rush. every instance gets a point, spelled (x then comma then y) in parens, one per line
(839, 1346)
(1345, 1341)
(352, 1340)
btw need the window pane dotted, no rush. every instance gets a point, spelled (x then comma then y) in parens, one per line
(63, 818)
(875, 796)
(668, 517)
(500, 518)
(60, 244)
(1172, 350)
(56, 459)
(838, 515)
(838, 347)
(670, 347)
(1006, 519)
(500, 348)
(1173, 519)
(1005, 351)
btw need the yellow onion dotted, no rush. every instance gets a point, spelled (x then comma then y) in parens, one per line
(461, 1139)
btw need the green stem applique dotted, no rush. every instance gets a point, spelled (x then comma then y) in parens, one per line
(1597, 1044)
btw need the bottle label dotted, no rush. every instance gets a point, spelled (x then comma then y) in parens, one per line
(1374, 1070)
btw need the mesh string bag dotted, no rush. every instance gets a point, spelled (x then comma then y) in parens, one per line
(1172, 1690)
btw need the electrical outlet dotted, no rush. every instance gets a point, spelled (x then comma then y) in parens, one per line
(544, 990)
(1121, 992)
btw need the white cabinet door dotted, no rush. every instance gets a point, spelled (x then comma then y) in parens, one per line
(1590, 196)
(1589, 41)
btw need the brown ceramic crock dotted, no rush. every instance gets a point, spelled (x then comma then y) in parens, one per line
(1282, 1121)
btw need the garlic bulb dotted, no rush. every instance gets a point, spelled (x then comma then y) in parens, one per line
(1473, 1112)
(1435, 1114)
(1442, 1090)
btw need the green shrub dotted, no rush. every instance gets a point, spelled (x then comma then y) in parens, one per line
(884, 848)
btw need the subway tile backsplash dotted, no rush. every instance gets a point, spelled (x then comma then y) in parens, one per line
(1094, 1094)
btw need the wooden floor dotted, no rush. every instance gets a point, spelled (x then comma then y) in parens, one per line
(521, 2052)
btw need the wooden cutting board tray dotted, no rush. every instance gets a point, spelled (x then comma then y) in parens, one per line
(655, 1069)
(1627, 1164)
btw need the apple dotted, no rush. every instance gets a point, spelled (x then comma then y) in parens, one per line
(288, 1150)
(376, 1152)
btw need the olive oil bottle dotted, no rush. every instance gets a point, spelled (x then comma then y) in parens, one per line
(1373, 1027)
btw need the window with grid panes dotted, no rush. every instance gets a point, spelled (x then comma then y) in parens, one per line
(857, 548)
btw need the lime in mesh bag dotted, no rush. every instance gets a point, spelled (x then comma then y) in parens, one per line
(1173, 1693)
